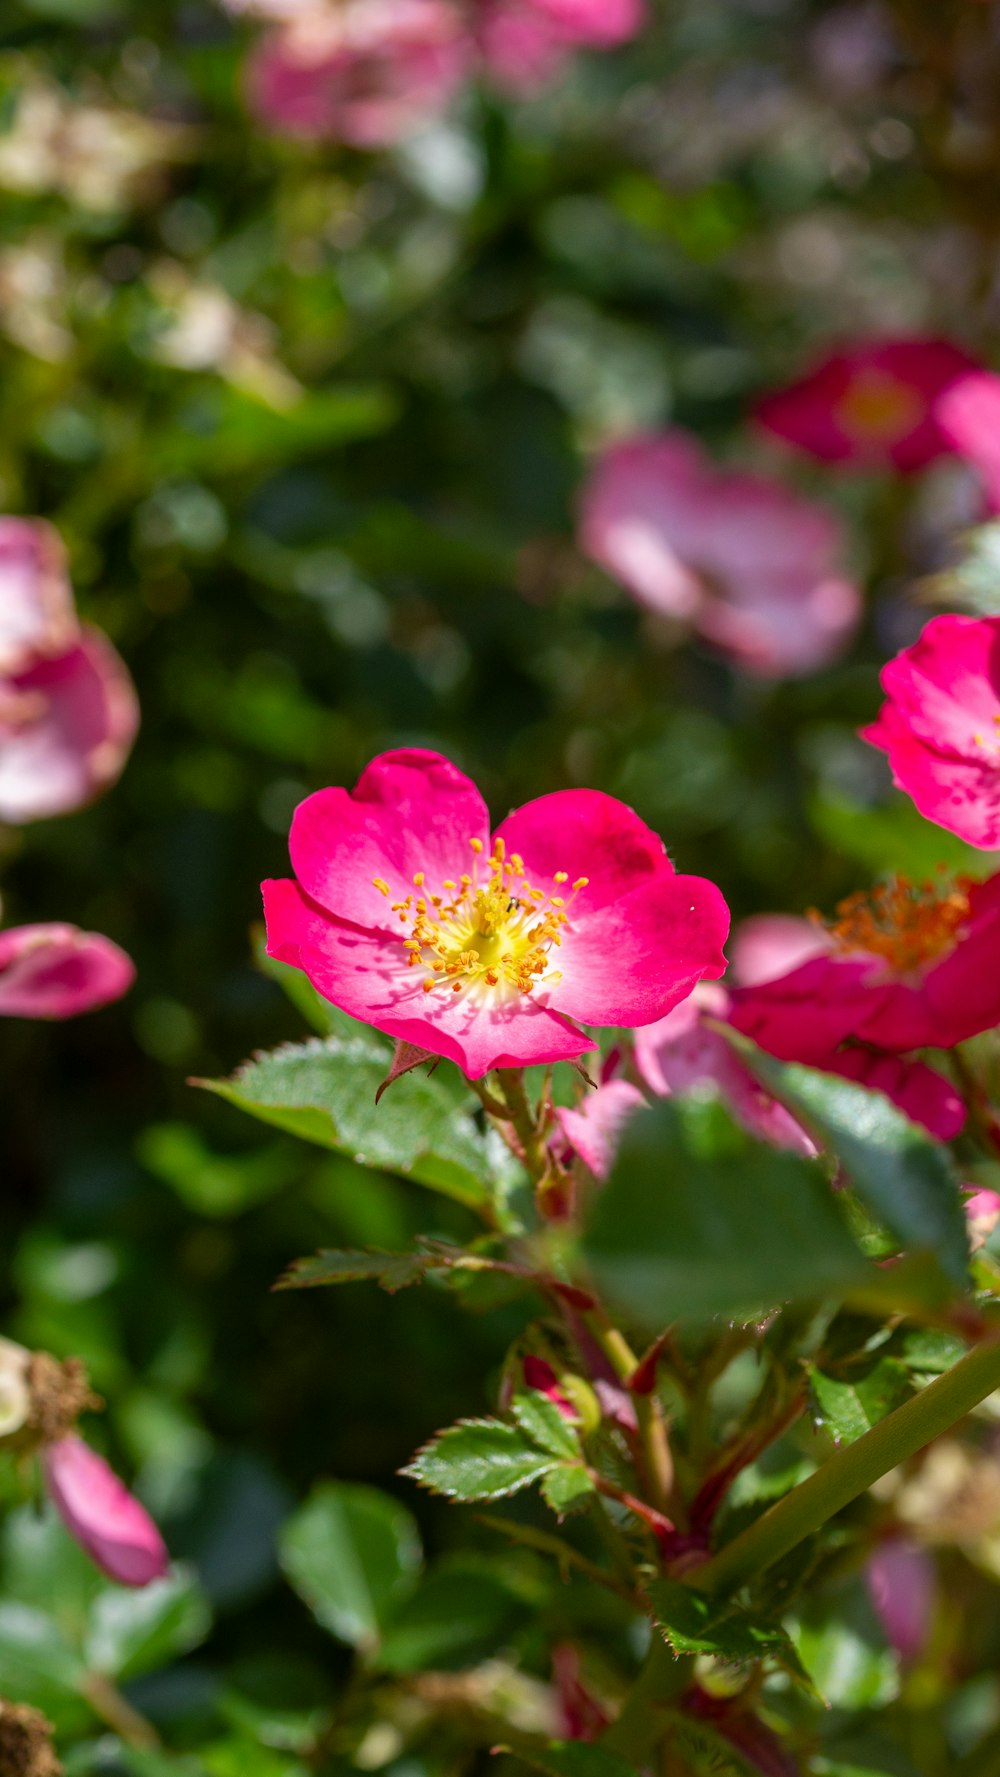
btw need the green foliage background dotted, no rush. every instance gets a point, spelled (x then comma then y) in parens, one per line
(385, 558)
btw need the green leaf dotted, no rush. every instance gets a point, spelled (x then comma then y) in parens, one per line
(324, 1090)
(38, 1664)
(462, 1611)
(217, 1185)
(567, 1489)
(394, 1271)
(698, 1220)
(226, 429)
(479, 1459)
(894, 837)
(545, 1425)
(849, 1408)
(693, 1623)
(132, 1631)
(903, 1177)
(352, 1553)
(574, 1758)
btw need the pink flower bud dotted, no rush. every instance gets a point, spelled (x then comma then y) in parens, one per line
(57, 971)
(102, 1516)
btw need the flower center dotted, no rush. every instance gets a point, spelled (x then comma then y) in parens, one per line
(906, 923)
(877, 408)
(494, 931)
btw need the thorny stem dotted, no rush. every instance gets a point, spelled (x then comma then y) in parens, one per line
(853, 1469)
(655, 1449)
(518, 1112)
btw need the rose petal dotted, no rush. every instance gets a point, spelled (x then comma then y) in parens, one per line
(57, 971)
(37, 616)
(410, 811)
(102, 1515)
(366, 975)
(66, 729)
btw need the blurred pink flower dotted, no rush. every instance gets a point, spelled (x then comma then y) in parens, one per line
(912, 968)
(592, 1127)
(57, 971)
(968, 416)
(770, 944)
(982, 1213)
(67, 725)
(747, 563)
(872, 403)
(901, 1584)
(101, 1515)
(681, 1053)
(37, 616)
(367, 72)
(407, 915)
(940, 725)
(524, 42)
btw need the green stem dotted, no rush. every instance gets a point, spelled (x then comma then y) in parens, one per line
(655, 1448)
(515, 1099)
(851, 1471)
(640, 1724)
(107, 1702)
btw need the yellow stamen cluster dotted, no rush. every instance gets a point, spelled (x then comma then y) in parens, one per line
(494, 932)
(908, 924)
(877, 408)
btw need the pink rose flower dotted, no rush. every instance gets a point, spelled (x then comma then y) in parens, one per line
(592, 1128)
(521, 48)
(681, 1053)
(982, 1213)
(749, 565)
(407, 916)
(101, 1514)
(911, 968)
(37, 617)
(66, 729)
(57, 971)
(366, 72)
(872, 403)
(901, 1584)
(968, 417)
(940, 725)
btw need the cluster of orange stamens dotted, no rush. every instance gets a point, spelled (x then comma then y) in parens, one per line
(909, 924)
(494, 932)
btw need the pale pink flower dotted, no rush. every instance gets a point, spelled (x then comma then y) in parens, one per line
(37, 616)
(682, 1053)
(102, 1515)
(67, 724)
(366, 72)
(968, 416)
(745, 562)
(57, 971)
(770, 944)
(592, 1128)
(901, 1584)
(940, 725)
(492, 952)
(982, 1213)
(524, 43)
(871, 403)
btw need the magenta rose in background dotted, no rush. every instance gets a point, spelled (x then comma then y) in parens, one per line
(744, 562)
(407, 915)
(367, 72)
(57, 971)
(872, 404)
(940, 725)
(902, 1584)
(102, 1515)
(911, 968)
